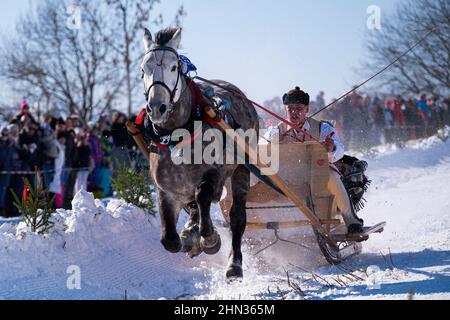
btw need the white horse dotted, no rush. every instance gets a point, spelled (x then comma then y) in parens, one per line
(170, 106)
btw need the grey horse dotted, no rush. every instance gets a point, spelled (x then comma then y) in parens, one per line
(191, 186)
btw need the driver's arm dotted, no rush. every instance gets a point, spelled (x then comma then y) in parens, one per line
(338, 153)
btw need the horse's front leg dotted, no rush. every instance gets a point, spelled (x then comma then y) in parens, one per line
(206, 192)
(194, 218)
(169, 210)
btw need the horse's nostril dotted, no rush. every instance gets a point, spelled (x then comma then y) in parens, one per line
(163, 108)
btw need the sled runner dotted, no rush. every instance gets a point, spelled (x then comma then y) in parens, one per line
(304, 169)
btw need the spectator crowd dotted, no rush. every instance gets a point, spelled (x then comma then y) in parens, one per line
(68, 154)
(364, 120)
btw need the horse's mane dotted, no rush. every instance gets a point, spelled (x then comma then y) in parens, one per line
(164, 36)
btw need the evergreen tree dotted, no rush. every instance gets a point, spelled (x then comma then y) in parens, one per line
(35, 207)
(135, 188)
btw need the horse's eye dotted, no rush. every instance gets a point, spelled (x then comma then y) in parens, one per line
(174, 68)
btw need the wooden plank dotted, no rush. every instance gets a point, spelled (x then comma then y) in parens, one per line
(137, 136)
(293, 171)
(286, 224)
(270, 207)
(262, 193)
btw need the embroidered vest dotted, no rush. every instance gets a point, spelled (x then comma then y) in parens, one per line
(291, 136)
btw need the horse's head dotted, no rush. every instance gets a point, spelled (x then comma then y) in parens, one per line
(163, 79)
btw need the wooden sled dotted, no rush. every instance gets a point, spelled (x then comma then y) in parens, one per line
(304, 169)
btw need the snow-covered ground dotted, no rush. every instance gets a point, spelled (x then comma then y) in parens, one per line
(116, 253)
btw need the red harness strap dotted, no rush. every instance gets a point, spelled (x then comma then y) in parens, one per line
(190, 140)
(199, 100)
(140, 118)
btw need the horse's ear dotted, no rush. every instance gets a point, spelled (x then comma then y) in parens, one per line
(148, 40)
(176, 39)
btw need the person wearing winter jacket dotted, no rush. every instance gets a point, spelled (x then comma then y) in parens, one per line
(412, 119)
(24, 116)
(441, 110)
(16, 183)
(424, 113)
(398, 110)
(55, 187)
(69, 175)
(97, 155)
(105, 172)
(30, 151)
(49, 152)
(119, 133)
(388, 121)
(6, 166)
(83, 162)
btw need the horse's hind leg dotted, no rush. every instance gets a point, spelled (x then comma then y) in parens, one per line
(190, 236)
(169, 210)
(240, 184)
(206, 192)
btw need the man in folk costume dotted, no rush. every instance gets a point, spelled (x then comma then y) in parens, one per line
(296, 102)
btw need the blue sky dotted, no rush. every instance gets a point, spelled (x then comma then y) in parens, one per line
(267, 47)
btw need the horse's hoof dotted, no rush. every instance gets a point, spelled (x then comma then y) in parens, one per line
(172, 245)
(189, 236)
(195, 251)
(234, 272)
(211, 245)
(190, 240)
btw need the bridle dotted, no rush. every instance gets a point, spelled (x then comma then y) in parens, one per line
(165, 86)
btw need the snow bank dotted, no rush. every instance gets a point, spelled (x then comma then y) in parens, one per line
(116, 248)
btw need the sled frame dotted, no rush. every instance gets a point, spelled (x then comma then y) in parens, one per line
(304, 169)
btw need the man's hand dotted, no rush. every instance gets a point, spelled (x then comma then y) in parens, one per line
(328, 144)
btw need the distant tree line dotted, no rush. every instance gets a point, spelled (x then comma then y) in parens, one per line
(427, 68)
(82, 56)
